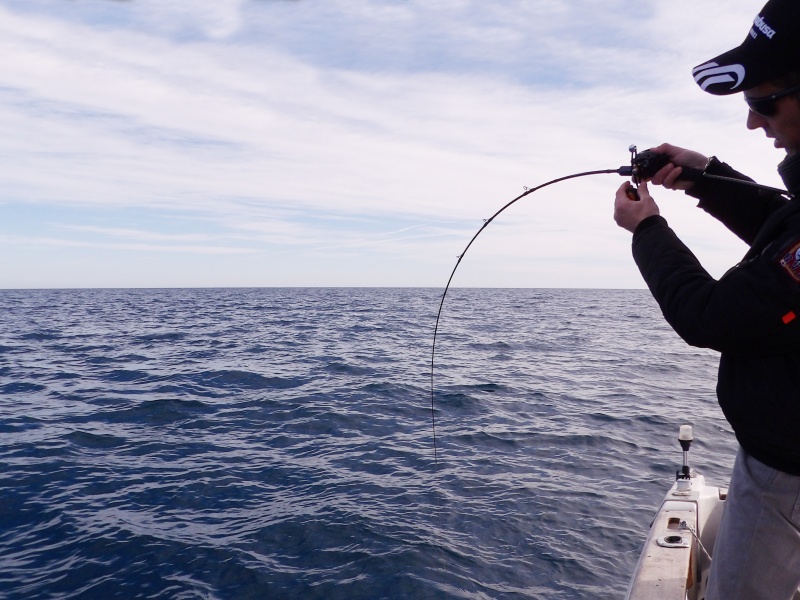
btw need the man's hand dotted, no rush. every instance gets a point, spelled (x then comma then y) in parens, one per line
(629, 213)
(668, 175)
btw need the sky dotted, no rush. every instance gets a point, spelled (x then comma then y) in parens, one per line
(261, 143)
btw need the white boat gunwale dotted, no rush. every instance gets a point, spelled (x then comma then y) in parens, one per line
(676, 558)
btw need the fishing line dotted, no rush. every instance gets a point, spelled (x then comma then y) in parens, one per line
(486, 222)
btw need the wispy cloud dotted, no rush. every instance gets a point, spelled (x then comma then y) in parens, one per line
(51, 242)
(277, 126)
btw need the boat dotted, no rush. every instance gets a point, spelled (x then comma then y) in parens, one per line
(676, 558)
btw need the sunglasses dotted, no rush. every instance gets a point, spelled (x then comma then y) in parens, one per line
(767, 106)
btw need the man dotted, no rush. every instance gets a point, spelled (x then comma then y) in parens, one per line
(751, 315)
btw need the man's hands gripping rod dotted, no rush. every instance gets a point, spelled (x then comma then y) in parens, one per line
(669, 166)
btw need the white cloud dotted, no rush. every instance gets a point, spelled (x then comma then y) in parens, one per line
(218, 19)
(382, 127)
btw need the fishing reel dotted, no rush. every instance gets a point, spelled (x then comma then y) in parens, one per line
(644, 165)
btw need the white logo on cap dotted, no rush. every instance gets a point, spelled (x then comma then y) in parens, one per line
(760, 24)
(711, 74)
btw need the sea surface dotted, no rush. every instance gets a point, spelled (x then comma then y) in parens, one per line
(278, 443)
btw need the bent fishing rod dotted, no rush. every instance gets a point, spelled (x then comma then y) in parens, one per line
(644, 165)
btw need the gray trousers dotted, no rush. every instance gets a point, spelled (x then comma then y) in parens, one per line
(757, 552)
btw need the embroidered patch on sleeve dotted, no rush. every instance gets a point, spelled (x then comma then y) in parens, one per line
(790, 262)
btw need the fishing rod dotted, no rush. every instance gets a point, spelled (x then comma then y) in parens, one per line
(644, 165)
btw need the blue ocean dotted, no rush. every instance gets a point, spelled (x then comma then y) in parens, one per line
(279, 443)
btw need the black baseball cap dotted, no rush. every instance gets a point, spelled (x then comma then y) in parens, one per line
(770, 50)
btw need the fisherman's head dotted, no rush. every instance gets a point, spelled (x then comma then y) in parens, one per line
(766, 68)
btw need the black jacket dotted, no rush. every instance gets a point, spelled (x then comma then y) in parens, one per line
(751, 315)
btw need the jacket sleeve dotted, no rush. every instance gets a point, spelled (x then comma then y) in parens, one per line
(750, 308)
(741, 208)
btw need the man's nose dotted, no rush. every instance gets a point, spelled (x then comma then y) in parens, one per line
(755, 120)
